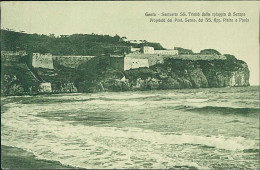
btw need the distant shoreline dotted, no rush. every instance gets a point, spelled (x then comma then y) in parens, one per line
(53, 93)
(16, 158)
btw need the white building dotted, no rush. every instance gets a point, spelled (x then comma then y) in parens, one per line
(133, 63)
(127, 63)
(45, 87)
(150, 50)
(135, 49)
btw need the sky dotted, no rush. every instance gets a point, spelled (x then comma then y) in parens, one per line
(128, 19)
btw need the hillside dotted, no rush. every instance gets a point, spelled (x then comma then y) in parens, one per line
(188, 70)
(172, 74)
(75, 44)
(98, 75)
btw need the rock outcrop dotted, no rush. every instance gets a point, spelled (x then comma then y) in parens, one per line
(226, 73)
(175, 74)
(98, 76)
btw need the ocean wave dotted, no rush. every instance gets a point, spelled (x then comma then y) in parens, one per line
(121, 146)
(72, 144)
(220, 142)
(197, 100)
(214, 109)
(224, 110)
(107, 95)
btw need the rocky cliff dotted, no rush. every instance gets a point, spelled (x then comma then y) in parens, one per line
(172, 74)
(17, 78)
(97, 75)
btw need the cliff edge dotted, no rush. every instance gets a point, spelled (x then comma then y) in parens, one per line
(172, 74)
(97, 75)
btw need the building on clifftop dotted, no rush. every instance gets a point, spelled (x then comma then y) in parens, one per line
(147, 50)
(126, 63)
(151, 50)
(135, 50)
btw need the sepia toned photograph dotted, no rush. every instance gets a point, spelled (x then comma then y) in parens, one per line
(130, 85)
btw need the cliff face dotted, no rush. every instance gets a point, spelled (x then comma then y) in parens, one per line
(19, 79)
(175, 74)
(226, 73)
(97, 76)
(228, 78)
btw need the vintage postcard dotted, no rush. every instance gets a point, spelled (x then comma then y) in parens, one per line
(130, 85)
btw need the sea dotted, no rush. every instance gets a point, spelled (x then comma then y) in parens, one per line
(210, 128)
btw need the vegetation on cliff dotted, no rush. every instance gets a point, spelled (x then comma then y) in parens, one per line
(19, 77)
(75, 44)
(210, 51)
(156, 46)
(16, 79)
(98, 75)
(172, 74)
(183, 50)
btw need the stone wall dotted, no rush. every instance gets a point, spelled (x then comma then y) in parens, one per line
(42, 61)
(12, 53)
(71, 61)
(199, 57)
(12, 56)
(48, 61)
(133, 63)
(158, 59)
(152, 58)
(127, 63)
(166, 52)
(147, 50)
(135, 49)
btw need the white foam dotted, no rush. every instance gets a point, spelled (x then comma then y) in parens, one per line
(103, 147)
(197, 100)
(129, 96)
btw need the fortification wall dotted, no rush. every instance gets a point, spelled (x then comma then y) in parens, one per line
(71, 61)
(135, 49)
(127, 63)
(12, 56)
(197, 57)
(152, 58)
(166, 52)
(157, 58)
(12, 53)
(133, 63)
(42, 61)
(147, 50)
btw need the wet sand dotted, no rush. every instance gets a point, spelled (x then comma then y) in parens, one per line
(16, 158)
